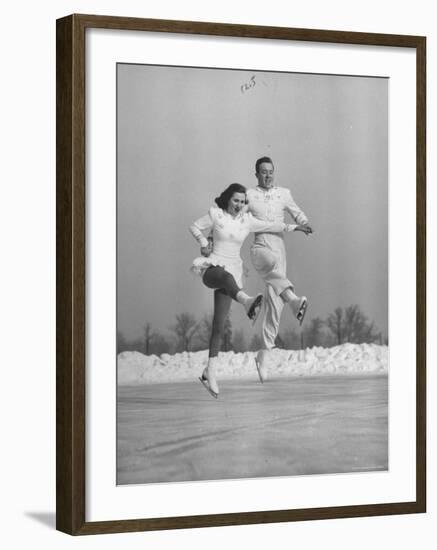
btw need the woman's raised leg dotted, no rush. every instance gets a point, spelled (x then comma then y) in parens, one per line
(218, 278)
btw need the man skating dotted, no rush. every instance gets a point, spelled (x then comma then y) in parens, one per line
(270, 203)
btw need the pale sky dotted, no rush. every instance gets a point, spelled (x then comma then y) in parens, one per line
(185, 134)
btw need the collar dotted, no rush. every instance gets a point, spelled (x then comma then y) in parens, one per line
(265, 191)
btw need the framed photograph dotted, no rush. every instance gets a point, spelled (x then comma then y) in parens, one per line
(241, 281)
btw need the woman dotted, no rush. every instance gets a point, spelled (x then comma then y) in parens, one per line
(221, 267)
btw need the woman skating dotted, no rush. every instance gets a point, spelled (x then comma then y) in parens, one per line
(221, 267)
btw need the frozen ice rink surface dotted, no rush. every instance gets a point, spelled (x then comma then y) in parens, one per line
(289, 426)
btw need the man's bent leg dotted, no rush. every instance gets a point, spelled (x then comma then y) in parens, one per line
(271, 266)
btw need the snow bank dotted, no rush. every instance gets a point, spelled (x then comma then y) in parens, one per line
(136, 368)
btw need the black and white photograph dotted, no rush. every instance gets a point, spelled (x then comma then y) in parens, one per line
(252, 274)
(218, 235)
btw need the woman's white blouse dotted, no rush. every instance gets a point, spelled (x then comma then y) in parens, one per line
(229, 234)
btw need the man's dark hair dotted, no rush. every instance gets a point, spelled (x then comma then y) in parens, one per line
(223, 200)
(260, 161)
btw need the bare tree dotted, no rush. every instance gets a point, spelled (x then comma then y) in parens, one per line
(313, 334)
(351, 325)
(123, 344)
(335, 324)
(357, 327)
(160, 344)
(185, 328)
(148, 336)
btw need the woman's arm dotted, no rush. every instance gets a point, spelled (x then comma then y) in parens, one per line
(261, 226)
(204, 223)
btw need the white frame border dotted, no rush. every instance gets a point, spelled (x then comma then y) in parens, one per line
(106, 501)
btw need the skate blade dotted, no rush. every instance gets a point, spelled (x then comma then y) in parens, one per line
(302, 310)
(205, 384)
(258, 368)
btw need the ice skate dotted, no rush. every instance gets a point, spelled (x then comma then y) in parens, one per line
(303, 304)
(209, 382)
(262, 375)
(254, 308)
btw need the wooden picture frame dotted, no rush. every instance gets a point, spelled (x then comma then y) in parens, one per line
(71, 275)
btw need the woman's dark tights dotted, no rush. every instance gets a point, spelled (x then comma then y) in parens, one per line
(225, 290)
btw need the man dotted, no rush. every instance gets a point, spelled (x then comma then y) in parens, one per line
(270, 203)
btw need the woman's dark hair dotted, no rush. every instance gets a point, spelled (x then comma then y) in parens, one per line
(225, 197)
